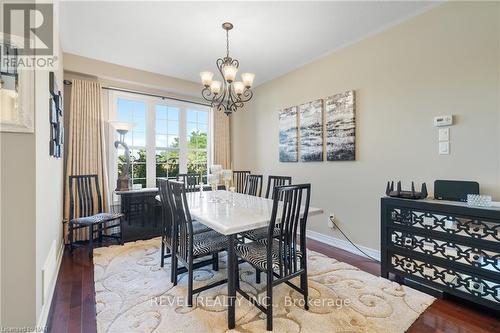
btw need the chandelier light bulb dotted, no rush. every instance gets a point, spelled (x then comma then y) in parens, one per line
(215, 87)
(206, 78)
(238, 87)
(229, 72)
(247, 79)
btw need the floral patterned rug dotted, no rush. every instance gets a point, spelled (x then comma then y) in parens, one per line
(134, 294)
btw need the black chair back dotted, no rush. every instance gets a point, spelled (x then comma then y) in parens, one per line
(85, 197)
(253, 185)
(190, 180)
(275, 181)
(240, 180)
(183, 225)
(167, 215)
(291, 220)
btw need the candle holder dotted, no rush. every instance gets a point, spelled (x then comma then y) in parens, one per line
(213, 180)
(232, 200)
(201, 189)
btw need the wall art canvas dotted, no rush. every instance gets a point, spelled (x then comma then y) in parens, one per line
(311, 131)
(288, 135)
(340, 127)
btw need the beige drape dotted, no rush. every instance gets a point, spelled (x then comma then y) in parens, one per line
(222, 140)
(85, 144)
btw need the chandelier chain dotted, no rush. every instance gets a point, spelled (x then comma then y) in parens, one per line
(227, 43)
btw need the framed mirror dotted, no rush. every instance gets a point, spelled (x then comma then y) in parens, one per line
(16, 91)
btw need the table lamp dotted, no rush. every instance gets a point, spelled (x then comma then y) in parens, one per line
(123, 181)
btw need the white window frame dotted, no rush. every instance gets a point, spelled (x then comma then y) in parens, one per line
(150, 119)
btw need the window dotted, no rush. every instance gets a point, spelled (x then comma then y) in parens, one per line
(167, 141)
(135, 112)
(197, 142)
(168, 138)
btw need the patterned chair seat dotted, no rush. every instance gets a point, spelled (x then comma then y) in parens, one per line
(258, 234)
(97, 218)
(255, 253)
(198, 228)
(208, 242)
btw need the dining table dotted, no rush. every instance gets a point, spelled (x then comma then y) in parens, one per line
(231, 213)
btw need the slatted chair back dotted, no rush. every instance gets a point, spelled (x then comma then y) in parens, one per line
(167, 213)
(190, 180)
(240, 180)
(183, 225)
(253, 185)
(85, 197)
(290, 216)
(275, 181)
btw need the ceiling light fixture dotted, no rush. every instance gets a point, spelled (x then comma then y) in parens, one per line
(227, 95)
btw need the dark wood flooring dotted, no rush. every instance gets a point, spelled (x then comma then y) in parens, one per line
(73, 304)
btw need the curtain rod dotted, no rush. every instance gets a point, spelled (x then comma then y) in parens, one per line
(68, 83)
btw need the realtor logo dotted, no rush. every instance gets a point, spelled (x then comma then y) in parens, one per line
(34, 23)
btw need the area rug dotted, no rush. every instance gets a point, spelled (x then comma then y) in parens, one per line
(134, 294)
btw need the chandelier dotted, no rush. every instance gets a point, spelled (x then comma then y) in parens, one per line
(228, 95)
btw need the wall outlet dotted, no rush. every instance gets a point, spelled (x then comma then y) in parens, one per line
(331, 218)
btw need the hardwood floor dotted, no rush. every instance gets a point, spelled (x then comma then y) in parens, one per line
(73, 304)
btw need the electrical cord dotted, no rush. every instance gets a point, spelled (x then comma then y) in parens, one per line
(366, 254)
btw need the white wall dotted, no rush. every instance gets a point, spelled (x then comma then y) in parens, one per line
(445, 61)
(30, 211)
(49, 188)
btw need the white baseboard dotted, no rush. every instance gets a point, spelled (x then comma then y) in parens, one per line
(342, 244)
(44, 313)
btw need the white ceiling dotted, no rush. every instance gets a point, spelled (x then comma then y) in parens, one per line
(180, 39)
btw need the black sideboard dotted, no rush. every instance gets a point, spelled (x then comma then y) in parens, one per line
(142, 214)
(444, 246)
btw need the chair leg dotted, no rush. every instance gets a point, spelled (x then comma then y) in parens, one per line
(269, 307)
(162, 259)
(257, 275)
(121, 230)
(100, 225)
(237, 274)
(215, 264)
(91, 240)
(190, 283)
(70, 236)
(305, 291)
(174, 269)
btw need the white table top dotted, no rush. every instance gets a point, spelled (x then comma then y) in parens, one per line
(249, 212)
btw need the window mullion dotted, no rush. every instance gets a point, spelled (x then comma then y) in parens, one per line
(183, 141)
(150, 145)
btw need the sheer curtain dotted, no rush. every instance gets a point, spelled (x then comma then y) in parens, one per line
(222, 139)
(85, 143)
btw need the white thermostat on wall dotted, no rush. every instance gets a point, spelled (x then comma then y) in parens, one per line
(443, 120)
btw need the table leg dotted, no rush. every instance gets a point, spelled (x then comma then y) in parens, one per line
(231, 282)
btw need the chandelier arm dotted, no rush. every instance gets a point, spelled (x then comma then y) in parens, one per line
(206, 93)
(246, 96)
(235, 63)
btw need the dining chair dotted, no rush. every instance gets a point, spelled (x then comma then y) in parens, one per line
(283, 257)
(85, 211)
(191, 181)
(189, 246)
(167, 215)
(257, 234)
(253, 185)
(240, 180)
(275, 181)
